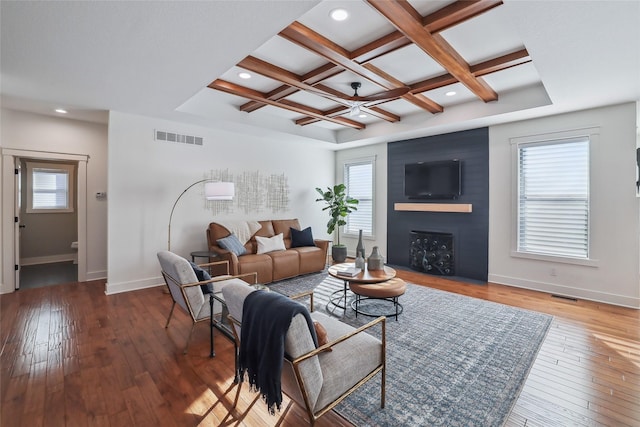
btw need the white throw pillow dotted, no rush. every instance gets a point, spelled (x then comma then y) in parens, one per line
(270, 244)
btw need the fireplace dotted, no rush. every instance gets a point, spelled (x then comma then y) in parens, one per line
(432, 252)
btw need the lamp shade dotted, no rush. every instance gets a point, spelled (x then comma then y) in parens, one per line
(219, 190)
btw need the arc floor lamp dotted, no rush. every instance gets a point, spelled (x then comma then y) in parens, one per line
(213, 190)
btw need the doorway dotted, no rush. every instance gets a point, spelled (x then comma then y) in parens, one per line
(48, 227)
(11, 213)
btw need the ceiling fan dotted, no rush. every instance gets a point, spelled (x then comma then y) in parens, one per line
(356, 101)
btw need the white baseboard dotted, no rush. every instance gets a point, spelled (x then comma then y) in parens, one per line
(568, 291)
(48, 259)
(116, 288)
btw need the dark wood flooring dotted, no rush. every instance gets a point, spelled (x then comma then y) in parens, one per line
(70, 355)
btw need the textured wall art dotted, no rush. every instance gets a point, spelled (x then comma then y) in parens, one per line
(254, 192)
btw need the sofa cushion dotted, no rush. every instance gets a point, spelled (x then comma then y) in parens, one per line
(232, 244)
(284, 226)
(311, 258)
(242, 229)
(265, 231)
(258, 263)
(300, 238)
(270, 244)
(285, 264)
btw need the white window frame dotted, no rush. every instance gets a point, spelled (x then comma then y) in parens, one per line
(346, 231)
(67, 169)
(592, 135)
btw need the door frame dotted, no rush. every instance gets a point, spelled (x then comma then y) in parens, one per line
(9, 231)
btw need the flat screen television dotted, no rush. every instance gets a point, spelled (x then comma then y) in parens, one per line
(433, 180)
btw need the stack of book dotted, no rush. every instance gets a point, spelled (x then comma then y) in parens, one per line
(349, 272)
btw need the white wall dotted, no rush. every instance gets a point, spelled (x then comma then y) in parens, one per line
(147, 176)
(26, 131)
(380, 182)
(614, 211)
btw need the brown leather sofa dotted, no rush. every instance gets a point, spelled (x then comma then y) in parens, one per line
(275, 265)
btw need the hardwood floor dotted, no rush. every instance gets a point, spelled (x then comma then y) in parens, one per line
(72, 356)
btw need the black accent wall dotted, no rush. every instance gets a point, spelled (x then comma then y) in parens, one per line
(470, 230)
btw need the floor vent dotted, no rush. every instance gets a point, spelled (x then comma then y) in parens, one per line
(565, 298)
(161, 135)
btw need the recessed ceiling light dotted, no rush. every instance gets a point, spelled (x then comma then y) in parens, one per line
(61, 111)
(451, 93)
(362, 116)
(339, 14)
(244, 75)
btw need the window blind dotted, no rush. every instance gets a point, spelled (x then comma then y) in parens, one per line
(359, 181)
(50, 189)
(553, 198)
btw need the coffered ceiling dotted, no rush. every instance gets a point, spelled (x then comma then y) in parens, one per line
(405, 59)
(504, 59)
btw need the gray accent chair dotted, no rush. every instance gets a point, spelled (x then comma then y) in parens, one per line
(185, 289)
(314, 378)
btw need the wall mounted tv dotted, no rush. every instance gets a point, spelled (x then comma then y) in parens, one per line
(433, 180)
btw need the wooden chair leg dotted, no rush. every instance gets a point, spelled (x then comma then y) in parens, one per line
(170, 314)
(235, 401)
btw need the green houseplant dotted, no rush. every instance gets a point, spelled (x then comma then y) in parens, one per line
(339, 206)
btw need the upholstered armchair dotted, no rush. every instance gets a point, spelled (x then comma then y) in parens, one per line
(318, 379)
(186, 290)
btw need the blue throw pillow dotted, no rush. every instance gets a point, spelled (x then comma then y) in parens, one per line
(202, 275)
(301, 238)
(231, 243)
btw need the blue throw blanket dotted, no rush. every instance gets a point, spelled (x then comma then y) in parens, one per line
(266, 318)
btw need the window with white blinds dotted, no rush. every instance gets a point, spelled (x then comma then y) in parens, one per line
(50, 188)
(553, 198)
(358, 178)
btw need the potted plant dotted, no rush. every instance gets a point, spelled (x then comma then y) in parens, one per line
(339, 206)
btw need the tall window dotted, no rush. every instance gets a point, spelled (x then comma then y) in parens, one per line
(50, 187)
(553, 198)
(358, 177)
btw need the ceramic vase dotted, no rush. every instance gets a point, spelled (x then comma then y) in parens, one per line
(360, 262)
(375, 261)
(360, 247)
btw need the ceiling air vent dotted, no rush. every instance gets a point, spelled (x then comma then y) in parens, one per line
(161, 135)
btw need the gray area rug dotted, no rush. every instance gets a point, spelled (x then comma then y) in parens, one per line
(452, 360)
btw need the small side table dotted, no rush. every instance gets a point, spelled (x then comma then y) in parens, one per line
(389, 290)
(203, 254)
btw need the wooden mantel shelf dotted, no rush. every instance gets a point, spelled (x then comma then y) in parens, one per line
(434, 207)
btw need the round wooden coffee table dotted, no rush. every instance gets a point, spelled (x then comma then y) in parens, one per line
(366, 276)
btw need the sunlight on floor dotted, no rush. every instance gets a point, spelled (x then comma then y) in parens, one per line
(202, 405)
(628, 349)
